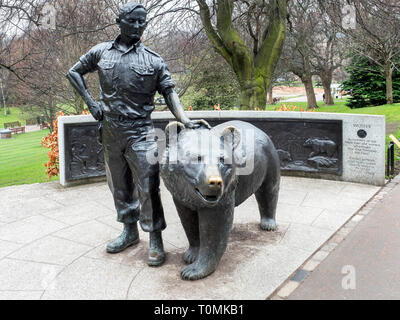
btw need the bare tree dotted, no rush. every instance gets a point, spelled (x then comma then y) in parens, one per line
(299, 43)
(253, 65)
(375, 34)
(327, 51)
(281, 72)
(4, 78)
(17, 19)
(4, 87)
(41, 56)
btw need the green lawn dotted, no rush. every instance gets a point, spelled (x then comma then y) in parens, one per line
(22, 159)
(15, 115)
(339, 107)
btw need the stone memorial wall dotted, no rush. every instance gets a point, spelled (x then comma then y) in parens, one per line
(333, 146)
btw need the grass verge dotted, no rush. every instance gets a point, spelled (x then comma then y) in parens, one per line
(22, 159)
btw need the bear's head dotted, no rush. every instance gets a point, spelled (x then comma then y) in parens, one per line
(198, 165)
(309, 142)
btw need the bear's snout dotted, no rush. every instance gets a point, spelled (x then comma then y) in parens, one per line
(215, 182)
(211, 188)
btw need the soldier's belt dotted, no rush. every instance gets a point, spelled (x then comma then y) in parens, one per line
(122, 118)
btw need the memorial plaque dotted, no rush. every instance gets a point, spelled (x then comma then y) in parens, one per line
(364, 153)
(84, 155)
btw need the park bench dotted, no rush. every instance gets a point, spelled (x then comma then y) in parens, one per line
(15, 127)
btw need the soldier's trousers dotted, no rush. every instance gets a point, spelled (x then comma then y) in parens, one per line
(133, 180)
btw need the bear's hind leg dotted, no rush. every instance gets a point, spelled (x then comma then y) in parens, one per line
(190, 223)
(267, 199)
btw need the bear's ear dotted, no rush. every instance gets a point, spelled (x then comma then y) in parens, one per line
(172, 130)
(231, 135)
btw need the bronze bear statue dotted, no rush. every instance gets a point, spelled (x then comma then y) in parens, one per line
(204, 171)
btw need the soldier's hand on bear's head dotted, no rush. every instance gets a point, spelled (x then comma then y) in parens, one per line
(195, 124)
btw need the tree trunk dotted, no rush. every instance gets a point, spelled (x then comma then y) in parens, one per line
(311, 99)
(253, 97)
(50, 114)
(270, 96)
(389, 83)
(326, 83)
(3, 98)
(254, 72)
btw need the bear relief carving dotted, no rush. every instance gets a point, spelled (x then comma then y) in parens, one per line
(322, 153)
(320, 146)
(207, 188)
(284, 156)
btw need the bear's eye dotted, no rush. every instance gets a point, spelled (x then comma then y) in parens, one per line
(199, 159)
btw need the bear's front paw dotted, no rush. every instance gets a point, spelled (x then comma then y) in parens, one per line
(190, 255)
(196, 271)
(268, 224)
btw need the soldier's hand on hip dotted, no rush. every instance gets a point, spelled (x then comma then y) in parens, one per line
(95, 110)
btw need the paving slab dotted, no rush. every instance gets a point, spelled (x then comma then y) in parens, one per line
(298, 214)
(20, 295)
(26, 275)
(17, 209)
(59, 251)
(51, 250)
(7, 247)
(332, 219)
(90, 233)
(305, 237)
(110, 220)
(92, 279)
(30, 229)
(77, 213)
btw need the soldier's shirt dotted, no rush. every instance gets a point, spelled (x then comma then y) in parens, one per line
(128, 79)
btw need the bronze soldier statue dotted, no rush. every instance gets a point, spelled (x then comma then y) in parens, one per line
(130, 74)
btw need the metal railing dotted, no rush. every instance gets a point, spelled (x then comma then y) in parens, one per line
(390, 159)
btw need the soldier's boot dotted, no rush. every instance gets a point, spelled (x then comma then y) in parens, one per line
(128, 237)
(156, 253)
